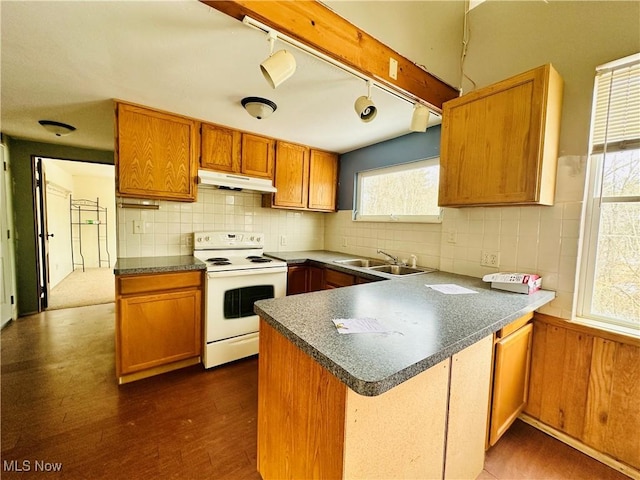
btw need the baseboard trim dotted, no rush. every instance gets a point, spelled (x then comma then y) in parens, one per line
(132, 377)
(578, 445)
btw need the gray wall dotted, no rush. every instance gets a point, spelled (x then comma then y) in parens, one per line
(408, 148)
(22, 152)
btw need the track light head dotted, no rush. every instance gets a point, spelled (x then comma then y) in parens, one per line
(364, 106)
(258, 107)
(420, 118)
(280, 66)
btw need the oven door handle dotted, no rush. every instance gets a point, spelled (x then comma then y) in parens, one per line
(253, 271)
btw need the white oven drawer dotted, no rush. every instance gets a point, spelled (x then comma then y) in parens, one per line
(231, 349)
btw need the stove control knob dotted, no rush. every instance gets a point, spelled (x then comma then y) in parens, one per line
(259, 239)
(199, 240)
(252, 238)
(207, 238)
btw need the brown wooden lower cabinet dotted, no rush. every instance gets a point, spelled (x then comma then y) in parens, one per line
(304, 279)
(311, 425)
(585, 383)
(335, 279)
(511, 367)
(158, 323)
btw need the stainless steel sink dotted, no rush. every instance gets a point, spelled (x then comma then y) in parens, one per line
(398, 270)
(362, 262)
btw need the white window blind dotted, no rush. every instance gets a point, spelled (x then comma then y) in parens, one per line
(609, 278)
(616, 123)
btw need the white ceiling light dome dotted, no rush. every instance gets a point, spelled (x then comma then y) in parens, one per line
(258, 107)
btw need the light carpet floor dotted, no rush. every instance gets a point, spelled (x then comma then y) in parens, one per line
(94, 286)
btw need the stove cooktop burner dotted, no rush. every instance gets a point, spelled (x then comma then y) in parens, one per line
(221, 263)
(257, 259)
(218, 259)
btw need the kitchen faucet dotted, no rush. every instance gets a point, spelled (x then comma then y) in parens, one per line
(396, 261)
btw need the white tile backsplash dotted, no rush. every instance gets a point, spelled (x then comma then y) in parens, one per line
(169, 229)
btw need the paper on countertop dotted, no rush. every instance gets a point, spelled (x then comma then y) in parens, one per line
(359, 325)
(450, 289)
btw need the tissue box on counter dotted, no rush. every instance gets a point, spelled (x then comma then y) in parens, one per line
(514, 282)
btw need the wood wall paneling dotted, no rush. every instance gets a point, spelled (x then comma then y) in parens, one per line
(586, 384)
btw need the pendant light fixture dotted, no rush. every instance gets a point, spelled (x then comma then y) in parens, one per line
(258, 107)
(364, 106)
(280, 66)
(59, 129)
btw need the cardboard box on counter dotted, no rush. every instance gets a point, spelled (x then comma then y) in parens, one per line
(515, 282)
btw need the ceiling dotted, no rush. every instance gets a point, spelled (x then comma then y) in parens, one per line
(67, 60)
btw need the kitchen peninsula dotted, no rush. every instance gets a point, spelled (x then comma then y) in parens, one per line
(410, 403)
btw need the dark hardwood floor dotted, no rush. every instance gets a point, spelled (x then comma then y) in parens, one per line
(61, 405)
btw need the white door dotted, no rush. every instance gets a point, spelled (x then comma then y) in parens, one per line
(7, 281)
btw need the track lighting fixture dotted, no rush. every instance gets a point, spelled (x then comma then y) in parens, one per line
(420, 118)
(280, 66)
(365, 107)
(57, 128)
(258, 107)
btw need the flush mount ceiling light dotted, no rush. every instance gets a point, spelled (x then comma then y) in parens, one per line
(365, 107)
(258, 107)
(57, 128)
(280, 66)
(420, 118)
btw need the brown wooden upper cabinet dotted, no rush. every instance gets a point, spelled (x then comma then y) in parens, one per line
(156, 154)
(499, 144)
(232, 151)
(306, 179)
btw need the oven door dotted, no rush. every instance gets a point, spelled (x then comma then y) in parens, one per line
(230, 298)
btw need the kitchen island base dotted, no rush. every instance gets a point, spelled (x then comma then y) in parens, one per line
(311, 425)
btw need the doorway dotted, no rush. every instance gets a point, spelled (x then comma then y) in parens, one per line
(75, 213)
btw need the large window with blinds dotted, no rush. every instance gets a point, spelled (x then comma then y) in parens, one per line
(609, 275)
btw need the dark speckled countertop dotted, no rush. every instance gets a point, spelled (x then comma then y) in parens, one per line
(427, 326)
(147, 265)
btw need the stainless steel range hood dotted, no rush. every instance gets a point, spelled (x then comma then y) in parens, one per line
(234, 182)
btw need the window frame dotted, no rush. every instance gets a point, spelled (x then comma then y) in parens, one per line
(400, 167)
(591, 213)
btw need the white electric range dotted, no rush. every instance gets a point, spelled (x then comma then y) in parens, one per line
(237, 275)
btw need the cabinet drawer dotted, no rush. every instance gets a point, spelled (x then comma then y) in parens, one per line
(133, 284)
(515, 325)
(338, 279)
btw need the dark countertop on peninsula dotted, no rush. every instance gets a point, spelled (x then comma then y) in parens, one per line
(427, 326)
(148, 265)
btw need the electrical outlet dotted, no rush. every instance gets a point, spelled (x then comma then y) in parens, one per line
(490, 259)
(393, 68)
(138, 226)
(452, 237)
(283, 240)
(344, 241)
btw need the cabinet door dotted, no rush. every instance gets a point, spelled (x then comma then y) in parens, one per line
(157, 329)
(257, 156)
(220, 148)
(323, 180)
(499, 143)
(335, 279)
(156, 154)
(511, 380)
(297, 279)
(315, 279)
(291, 176)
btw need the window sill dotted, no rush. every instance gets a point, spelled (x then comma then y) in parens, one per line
(607, 327)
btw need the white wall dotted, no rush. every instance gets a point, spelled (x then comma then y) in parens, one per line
(429, 33)
(168, 230)
(511, 37)
(59, 186)
(97, 188)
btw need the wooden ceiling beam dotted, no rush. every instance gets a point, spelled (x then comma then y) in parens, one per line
(316, 26)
